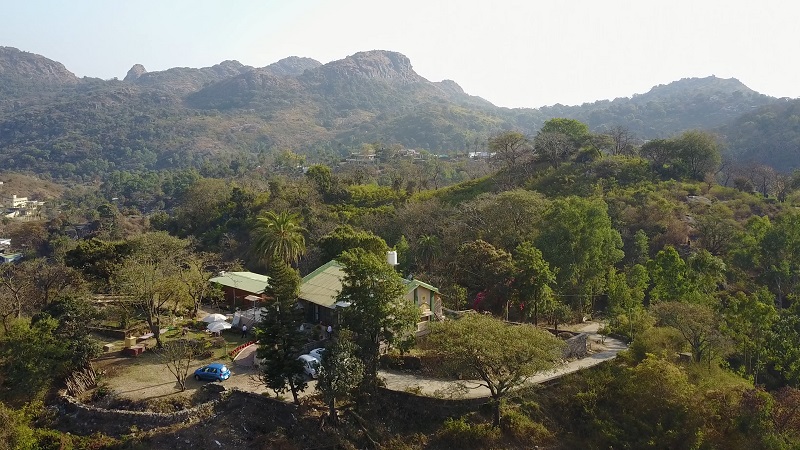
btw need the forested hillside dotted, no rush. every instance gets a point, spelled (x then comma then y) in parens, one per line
(693, 261)
(52, 122)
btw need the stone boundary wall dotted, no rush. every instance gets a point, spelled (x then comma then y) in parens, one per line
(83, 419)
(117, 333)
(80, 418)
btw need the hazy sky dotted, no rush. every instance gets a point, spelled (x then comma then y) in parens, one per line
(512, 53)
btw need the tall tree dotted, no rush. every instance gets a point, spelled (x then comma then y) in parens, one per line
(280, 340)
(749, 319)
(429, 248)
(554, 147)
(698, 153)
(575, 130)
(345, 237)
(510, 147)
(779, 256)
(698, 324)
(784, 352)
(279, 235)
(503, 356)
(506, 219)
(486, 270)
(669, 274)
(532, 280)
(717, 229)
(15, 292)
(340, 373)
(194, 273)
(150, 276)
(378, 311)
(577, 238)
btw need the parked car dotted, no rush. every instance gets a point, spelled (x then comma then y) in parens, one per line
(213, 372)
(310, 365)
(317, 354)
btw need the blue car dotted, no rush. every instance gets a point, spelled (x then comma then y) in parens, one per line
(213, 372)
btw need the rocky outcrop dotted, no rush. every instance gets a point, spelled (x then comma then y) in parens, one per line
(376, 64)
(136, 71)
(450, 87)
(31, 68)
(184, 80)
(292, 66)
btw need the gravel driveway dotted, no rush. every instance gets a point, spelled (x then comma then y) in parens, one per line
(146, 377)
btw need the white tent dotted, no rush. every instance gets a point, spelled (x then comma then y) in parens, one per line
(216, 327)
(211, 318)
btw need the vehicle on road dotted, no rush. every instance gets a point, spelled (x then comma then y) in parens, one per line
(310, 365)
(317, 354)
(213, 372)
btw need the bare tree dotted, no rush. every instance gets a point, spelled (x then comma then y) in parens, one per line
(15, 289)
(150, 276)
(553, 146)
(194, 274)
(623, 140)
(510, 147)
(763, 178)
(49, 278)
(178, 356)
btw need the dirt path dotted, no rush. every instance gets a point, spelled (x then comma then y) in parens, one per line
(146, 377)
(608, 350)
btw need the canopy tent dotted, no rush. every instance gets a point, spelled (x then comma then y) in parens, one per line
(216, 327)
(211, 318)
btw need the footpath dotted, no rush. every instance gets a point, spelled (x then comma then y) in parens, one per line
(600, 352)
(601, 349)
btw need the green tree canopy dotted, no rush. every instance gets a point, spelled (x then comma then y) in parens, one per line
(378, 311)
(533, 281)
(279, 236)
(502, 355)
(280, 340)
(345, 237)
(578, 240)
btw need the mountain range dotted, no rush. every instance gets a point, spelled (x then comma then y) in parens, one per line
(54, 122)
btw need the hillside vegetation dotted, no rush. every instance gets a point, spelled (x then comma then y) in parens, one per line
(50, 119)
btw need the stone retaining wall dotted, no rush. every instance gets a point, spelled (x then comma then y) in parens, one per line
(119, 334)
(80, 418)
(83, 419)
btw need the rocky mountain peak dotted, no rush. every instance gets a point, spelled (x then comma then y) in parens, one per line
(375, 64)
(136, 71)
(293, 66)
(692, 86)
(33, 68)
(450, 86)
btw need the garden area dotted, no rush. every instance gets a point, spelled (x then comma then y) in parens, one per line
(145, 381)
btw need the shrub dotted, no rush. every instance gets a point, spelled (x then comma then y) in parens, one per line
(458, 433)
(524, 430)
(660, 341)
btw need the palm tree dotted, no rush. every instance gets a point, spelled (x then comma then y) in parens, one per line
(279, 236)
(428, 249)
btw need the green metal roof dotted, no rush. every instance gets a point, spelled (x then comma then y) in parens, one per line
(411, 284)
(323, 285)
(244, 281)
